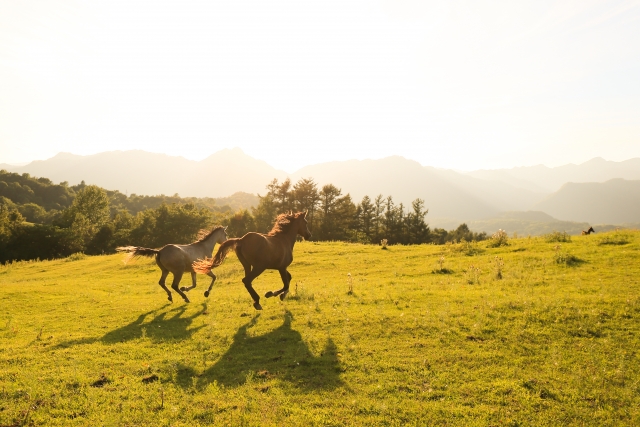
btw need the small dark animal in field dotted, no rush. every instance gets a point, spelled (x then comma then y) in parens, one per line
(178, 259)
(101, 381)
(151, 378)
(258, 252)
(589, 231)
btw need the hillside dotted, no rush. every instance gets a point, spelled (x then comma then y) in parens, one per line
(545, 179)
(616, 201)
(366, 337)
(220, 175)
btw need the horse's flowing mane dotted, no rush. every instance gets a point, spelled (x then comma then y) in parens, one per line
(283, 223)
(204, 234)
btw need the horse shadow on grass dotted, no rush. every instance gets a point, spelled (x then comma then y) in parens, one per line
(279, 354)
(168, 325)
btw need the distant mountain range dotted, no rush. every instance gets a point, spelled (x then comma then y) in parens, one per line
(595, 192)
(545, 179)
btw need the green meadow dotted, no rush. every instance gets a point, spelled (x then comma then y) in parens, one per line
(538, 332)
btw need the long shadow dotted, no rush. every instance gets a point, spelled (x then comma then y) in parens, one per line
(165, 326)
(280, 353)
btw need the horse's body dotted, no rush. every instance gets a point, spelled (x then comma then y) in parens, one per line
(259, 252)
(589, 231)
(178, 259)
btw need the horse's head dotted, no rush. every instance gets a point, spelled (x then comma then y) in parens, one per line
(591, 230)
(301, 222)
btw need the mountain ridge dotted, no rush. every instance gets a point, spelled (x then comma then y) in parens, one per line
(451, 195)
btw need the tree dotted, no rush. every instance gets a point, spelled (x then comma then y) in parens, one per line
(240, 224)
(337, 215)
(307, 198)
(169, 224)
(328, 209)
(283, 196)
(365, 215)
(88, 213)
(378, 209)
(417, 228)
(265, 213)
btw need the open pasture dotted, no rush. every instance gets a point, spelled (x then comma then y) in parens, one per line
(534, 333)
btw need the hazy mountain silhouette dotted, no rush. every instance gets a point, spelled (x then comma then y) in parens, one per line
(140, 172)
(616, 201)
(451, 197)
(545, 179)
(532, 223)
(446, 193)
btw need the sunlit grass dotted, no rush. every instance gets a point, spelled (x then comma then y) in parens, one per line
(508, 336)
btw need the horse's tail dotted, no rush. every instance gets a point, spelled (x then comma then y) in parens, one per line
(204, 266)
(135, 251)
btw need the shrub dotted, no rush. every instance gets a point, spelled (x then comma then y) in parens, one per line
(565, 258)
(76, 257)
(499, 238)
(616, 238)
(467, 248)
(557, 236)
(498, 265)
(473, 275)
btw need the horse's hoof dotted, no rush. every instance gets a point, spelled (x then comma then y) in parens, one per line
(282, 296)
(187, 300)
(206, 294)
(183, 289)
(257, 306)
(269, 294)
(170, 299)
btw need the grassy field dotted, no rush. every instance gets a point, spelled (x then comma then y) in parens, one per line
(534, 333)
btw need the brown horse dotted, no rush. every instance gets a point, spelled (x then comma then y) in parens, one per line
(177, 259)
(589, 231)
(258, 252)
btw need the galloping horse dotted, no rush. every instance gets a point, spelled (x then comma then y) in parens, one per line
(258, 252)
(589, 231)
(177, 259)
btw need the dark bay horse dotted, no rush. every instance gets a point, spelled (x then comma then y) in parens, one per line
(178, 259)
(589, 231)
(258, 252)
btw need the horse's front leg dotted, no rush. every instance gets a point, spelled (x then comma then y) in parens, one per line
(193, 283)
(213, 279)
(286, 280)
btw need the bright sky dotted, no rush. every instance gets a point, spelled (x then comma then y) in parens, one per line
(453, 84)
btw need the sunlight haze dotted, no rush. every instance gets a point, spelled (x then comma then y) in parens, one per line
(463, 84)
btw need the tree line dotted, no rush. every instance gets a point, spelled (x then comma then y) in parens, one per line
(39, 219)
(333, 215)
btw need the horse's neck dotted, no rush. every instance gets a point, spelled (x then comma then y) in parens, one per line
(208, 244)
(290, 237)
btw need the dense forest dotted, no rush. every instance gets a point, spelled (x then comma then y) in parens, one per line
(40, 219)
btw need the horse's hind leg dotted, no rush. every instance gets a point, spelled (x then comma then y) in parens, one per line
(193, 283)
(249, 275)
(165, 273)
(286, 280)
(176, 281)
(255, 272)
(213, 279)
